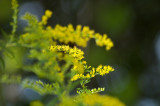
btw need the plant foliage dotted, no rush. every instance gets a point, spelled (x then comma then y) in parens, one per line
(52, 58)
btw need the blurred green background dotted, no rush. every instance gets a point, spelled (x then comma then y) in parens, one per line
(134, 27)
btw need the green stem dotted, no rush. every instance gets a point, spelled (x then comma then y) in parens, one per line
(15, 18)
(83, 85)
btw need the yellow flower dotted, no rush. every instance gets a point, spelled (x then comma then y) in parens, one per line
(75, 77)
(84, 62)
(91, 100)
(78, 67)
(92, 73)
(80, 36)
(48, 13)
(102, 100)
(87, 76)
(45, 17)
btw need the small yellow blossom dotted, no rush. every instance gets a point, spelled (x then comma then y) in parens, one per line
(87, 76)
(92, 73)
(75, 77)
(48, 13)
(45, 17)
(84, 62)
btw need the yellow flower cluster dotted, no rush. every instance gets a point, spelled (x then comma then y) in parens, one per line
(45, 17)
(78, 76)
(80, 35)
(68, 34)
(102, 100)
(91, 100)
(74, 52)
(103, 41)
(100, 70)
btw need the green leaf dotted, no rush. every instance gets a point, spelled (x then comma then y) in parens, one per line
(9, 53)
(4, 34)
(2, 64)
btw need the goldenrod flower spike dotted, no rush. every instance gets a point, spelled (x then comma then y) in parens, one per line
(100, 70)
